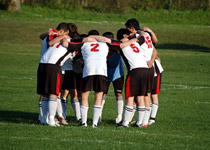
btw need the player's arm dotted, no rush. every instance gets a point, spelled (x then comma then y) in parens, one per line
(139, 39)
(100, 38)
(58, 39)
(153, 35)
(45, 34)
(154, 55)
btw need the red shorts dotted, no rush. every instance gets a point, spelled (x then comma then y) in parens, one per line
(95, 82)
(136, 83)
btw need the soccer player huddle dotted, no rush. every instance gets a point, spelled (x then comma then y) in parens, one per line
(74, 64)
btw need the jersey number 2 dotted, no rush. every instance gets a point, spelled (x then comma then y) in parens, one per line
(95, 46)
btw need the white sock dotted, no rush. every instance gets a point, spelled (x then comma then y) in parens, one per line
(76, 107)
(140, 114)
(154, 111)
(120, 103)
(59, 108)
(84, 113)
(64, 104)
(103, 102)
(127, 115)
(134, 110)
(96, 113)
(146, 116)
(52, 109)
(45, 101)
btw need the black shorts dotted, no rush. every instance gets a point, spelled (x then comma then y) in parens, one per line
(156, 84)
(95, 82)
(48, 79)
(150, 79)
(69, 81)
(117, 84)
(136, 83)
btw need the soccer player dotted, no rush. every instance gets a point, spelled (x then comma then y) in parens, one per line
(136, 81)
(116, 76)
(49, 71)
(150, 54)
(156, 90)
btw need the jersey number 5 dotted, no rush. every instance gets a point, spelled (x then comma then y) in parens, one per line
(95, 46)
(134, 48)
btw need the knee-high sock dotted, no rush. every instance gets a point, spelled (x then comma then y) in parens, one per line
(40, 112)
(140, 114)
(103, 102)
(44, 107)
(59, 108)
(76, 107)
(146, 116)
(84, 113)
(134, 110)
(120, 103)
(127, 115)
(96, 113)
(64, 104)
(154, 111)
(52, 109)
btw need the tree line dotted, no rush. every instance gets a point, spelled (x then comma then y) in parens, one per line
(117, 5)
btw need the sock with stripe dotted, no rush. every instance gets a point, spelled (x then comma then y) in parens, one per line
(76, 107)
(134, 110)
(120, 103)
(84, 113)
(127, 115)
(96, 113)
(52, 110)
(40, 112)
(140, 114)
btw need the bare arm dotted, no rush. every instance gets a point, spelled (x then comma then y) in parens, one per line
(101, 38)
(58, 39)
(128, 43)
(154, 55)
(154, 37)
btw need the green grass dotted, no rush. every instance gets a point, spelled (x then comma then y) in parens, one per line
(183, 116)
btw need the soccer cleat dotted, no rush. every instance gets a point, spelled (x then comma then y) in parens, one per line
(56, 120)
(145, 126)
(63, 121)
(151, 122)
(94, 126)
(83, 125)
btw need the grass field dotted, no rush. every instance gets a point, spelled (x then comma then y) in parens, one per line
(184, 113)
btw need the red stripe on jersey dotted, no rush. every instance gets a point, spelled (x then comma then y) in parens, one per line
(127, 88)
(58, 84)
(158, 85)
(115, 43)
(75, 42)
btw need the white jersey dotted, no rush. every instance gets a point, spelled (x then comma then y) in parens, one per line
(134, 57)
(54, 54)
(94, 55)
(147, 48)
(159, 67)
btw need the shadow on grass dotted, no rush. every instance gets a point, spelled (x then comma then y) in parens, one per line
(182, 46)
(32, 118)
(18, 117)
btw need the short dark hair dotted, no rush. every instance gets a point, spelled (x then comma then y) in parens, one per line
(133, 23)
(63, 26)
(121, 32)
(108, 35)
(72, 27)
(93, 32)
(74, 34)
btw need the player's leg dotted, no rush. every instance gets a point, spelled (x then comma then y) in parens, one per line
(128, 111)
(97, 108)
(40, 120)
(84, 108)
(140, 111)
(64, 102)
(147, 102)
(75, 103)
(52, 105)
